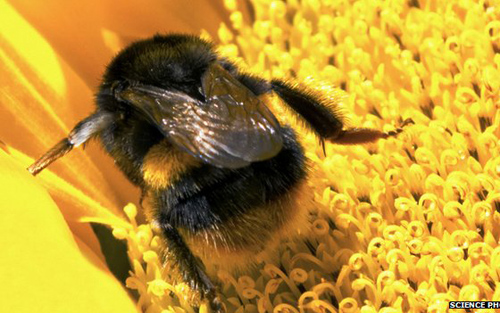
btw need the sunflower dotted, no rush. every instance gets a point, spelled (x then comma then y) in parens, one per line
(404, 225)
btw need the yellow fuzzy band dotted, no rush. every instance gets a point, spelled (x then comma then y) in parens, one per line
(163, 164)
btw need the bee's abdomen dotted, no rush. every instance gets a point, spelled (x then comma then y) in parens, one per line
(234, 209)
(207, 196)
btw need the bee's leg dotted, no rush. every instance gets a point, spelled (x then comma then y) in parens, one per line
(82, 132)
(317, 113)
(325, 118)
(190, 267)
(354, 136)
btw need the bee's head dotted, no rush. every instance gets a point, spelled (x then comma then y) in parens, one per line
(171, 62)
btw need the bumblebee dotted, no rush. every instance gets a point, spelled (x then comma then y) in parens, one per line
(218, 169)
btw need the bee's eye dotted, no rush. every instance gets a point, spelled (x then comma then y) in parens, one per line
(117, 88)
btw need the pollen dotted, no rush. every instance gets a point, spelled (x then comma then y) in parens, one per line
(406, 224)
(158, 284)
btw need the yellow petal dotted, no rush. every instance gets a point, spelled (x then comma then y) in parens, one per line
(76, 32)
(43, 267)
(42, 99)
(77, 205)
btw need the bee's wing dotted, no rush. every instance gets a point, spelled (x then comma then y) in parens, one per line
(231, 129)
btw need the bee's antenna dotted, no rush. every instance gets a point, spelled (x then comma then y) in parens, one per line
(82, 132)
(61, 148)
